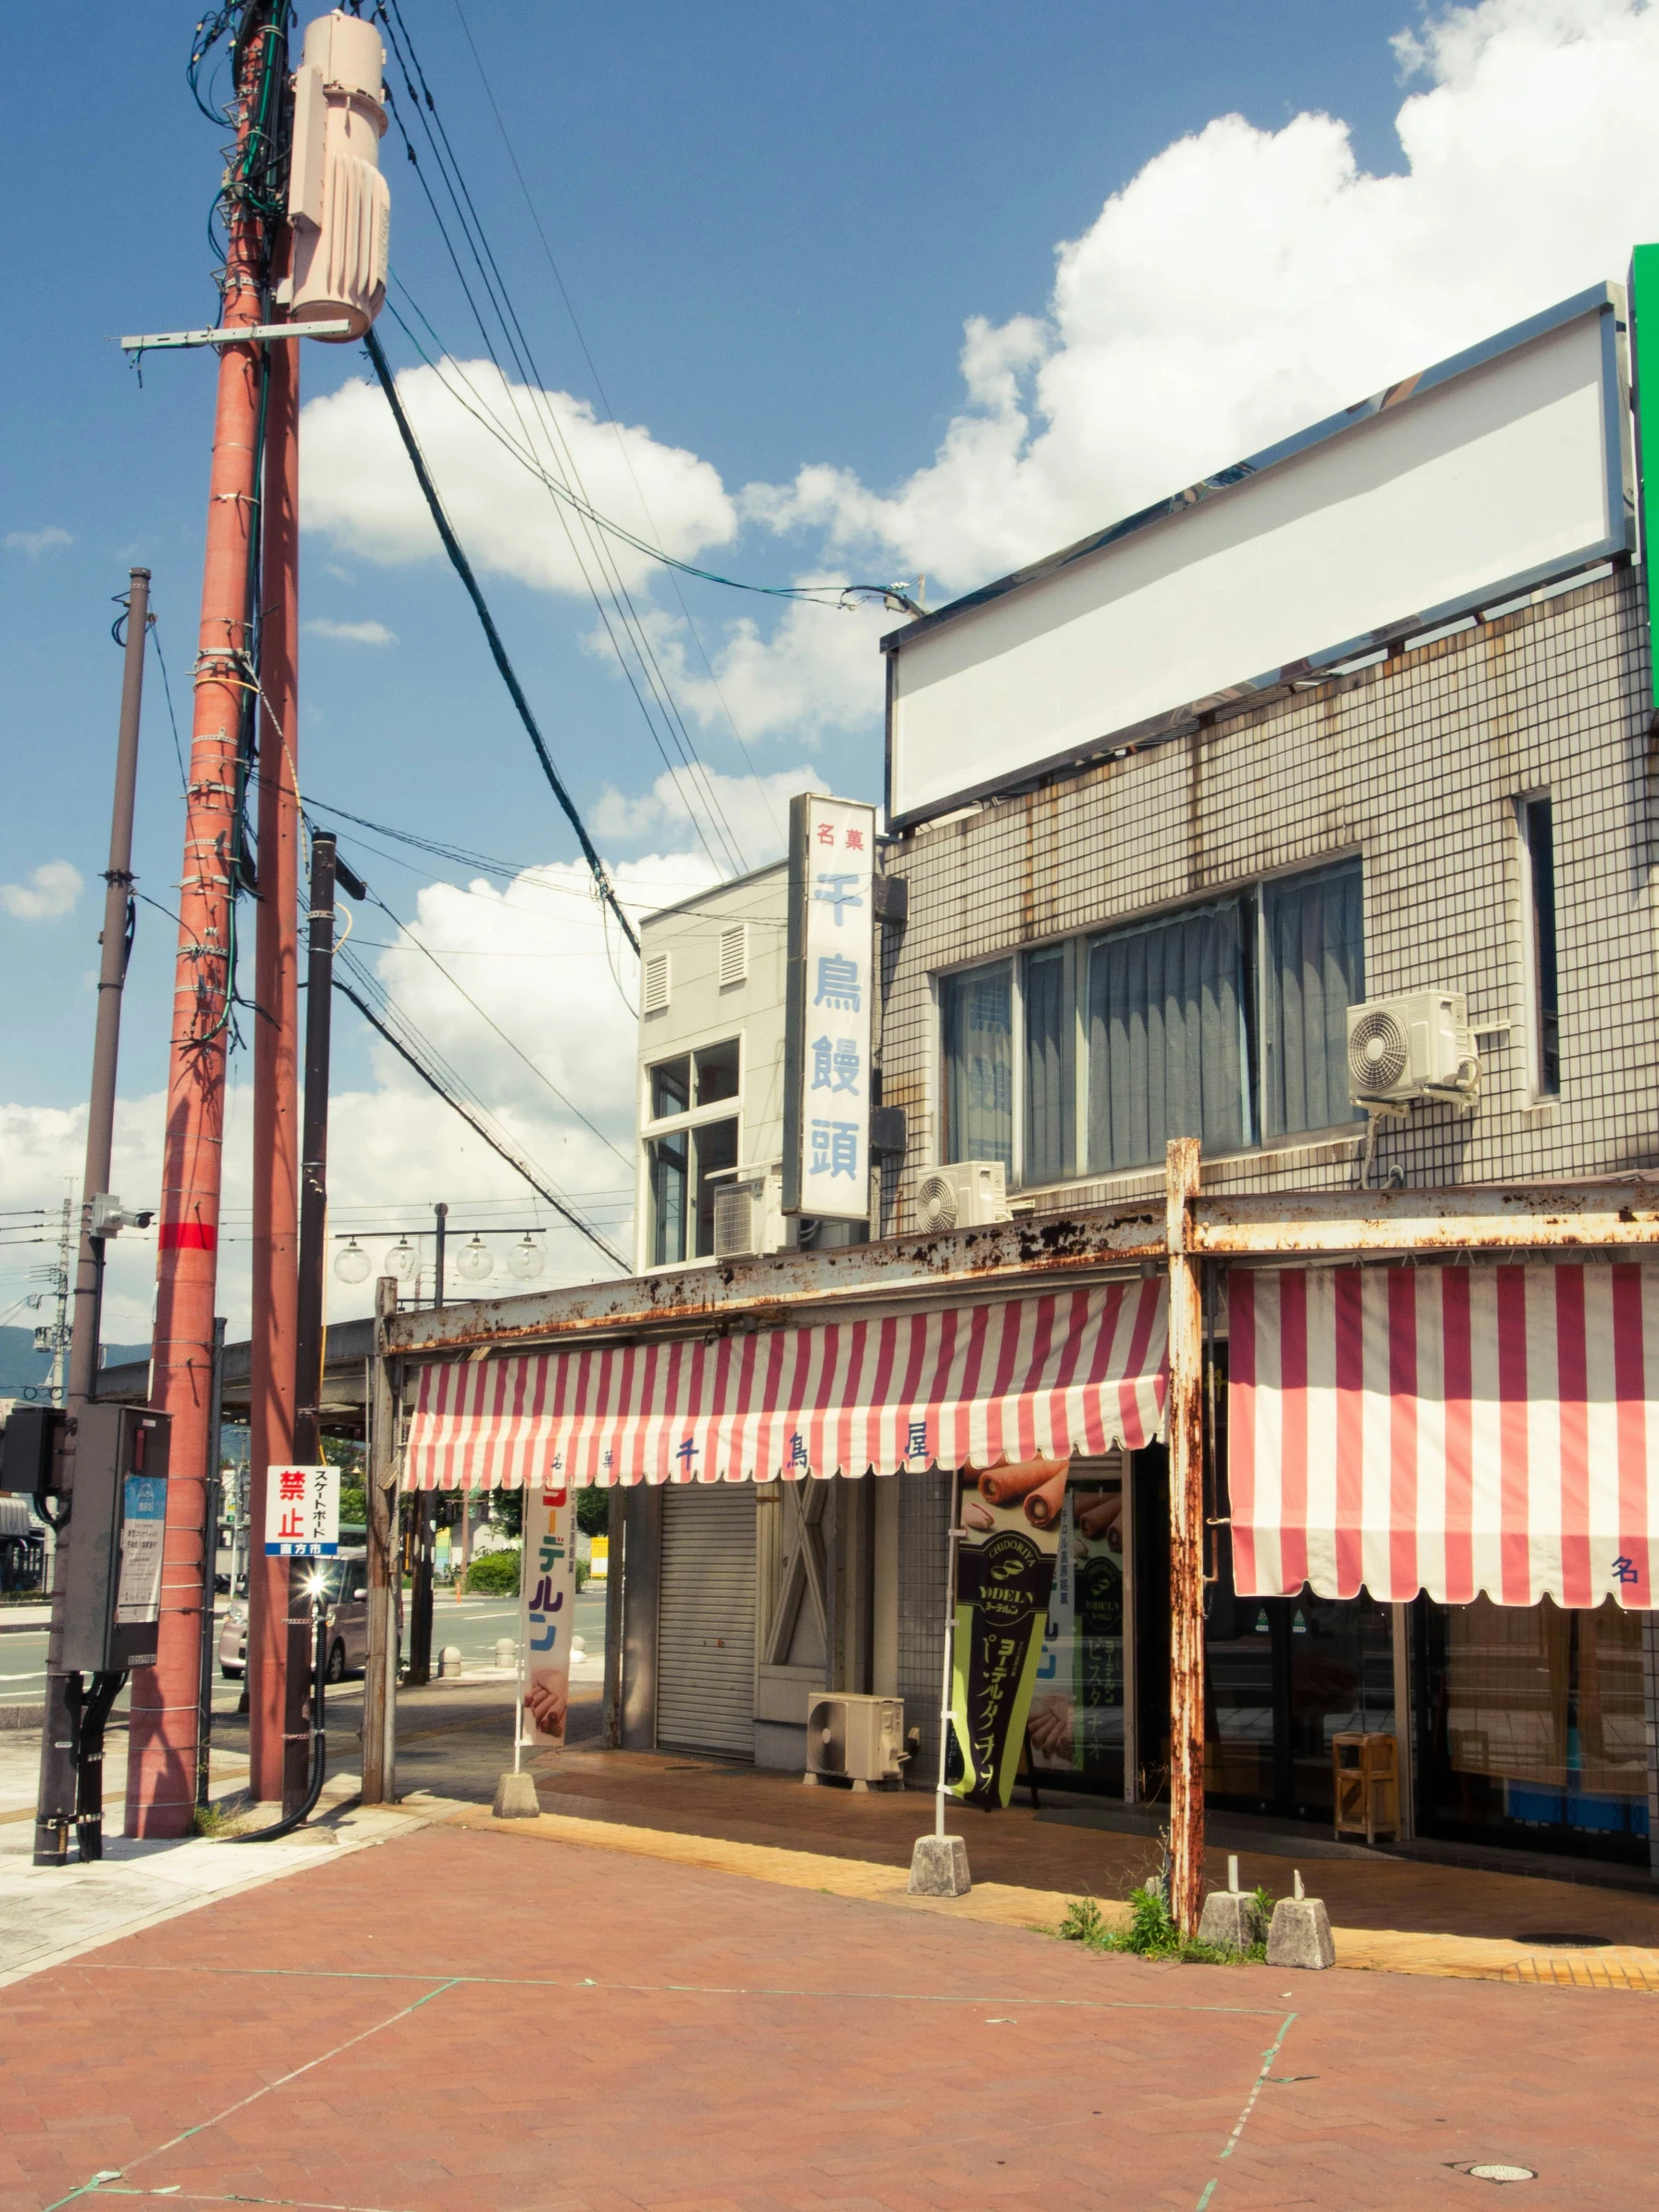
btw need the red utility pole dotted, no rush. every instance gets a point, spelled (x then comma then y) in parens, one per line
(277, 1674)
(162, 1741)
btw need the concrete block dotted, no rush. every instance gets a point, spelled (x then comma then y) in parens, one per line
(940, 1867)
(450, 1662)
(1232, 1921)
(506, 1652)
(515, 1798)
(1300, 1934)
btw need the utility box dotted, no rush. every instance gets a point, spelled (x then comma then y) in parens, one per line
(117, 1537)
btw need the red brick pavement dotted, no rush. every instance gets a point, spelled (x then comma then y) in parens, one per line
(458, 2020)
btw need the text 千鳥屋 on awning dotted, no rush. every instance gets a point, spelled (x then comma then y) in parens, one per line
(1455, 1430)
(1031, 1378)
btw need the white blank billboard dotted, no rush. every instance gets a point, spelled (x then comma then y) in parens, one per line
(1493, 472)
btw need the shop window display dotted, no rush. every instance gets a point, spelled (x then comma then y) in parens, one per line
(1076, 1724)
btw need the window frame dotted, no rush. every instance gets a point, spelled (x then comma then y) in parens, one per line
(652, 1129)
(1076, 946)
(1541, 1091)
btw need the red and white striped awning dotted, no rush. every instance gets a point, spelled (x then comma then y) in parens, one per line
(1031, 1377)
(1455, 1430)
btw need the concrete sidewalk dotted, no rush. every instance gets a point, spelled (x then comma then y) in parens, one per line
(465, 2019)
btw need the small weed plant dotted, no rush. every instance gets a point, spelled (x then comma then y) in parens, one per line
(1151, 1933)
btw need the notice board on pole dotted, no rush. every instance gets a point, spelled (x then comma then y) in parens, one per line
(302, 1513)
(828, 1023)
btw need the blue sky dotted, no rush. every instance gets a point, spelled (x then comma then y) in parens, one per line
(814, 251)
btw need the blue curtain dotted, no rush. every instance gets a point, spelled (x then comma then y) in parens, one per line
(1050, 1078)
(1314, 927)
(979, 1066)
(1167, 1054)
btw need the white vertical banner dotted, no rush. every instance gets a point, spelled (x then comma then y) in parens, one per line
(832, 986)
(547, 1608)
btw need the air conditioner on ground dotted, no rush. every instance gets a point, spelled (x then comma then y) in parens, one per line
(860, 1739)
(749, 1215)
(967, 1194)
(1416, 1046)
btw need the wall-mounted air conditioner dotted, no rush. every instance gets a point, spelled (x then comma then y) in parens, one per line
(749, 1215)
(856, 1738)
(1416, 1046)
(966, 1193)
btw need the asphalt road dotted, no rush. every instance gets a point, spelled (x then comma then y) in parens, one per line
(471, 1624)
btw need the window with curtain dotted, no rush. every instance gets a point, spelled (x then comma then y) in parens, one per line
(978, 1010)
(1050, 1069)
(1313, 962)
(1167, 1005)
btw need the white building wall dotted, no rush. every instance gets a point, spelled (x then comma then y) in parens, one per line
(701, 1012)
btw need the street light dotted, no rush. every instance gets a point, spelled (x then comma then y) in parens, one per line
(403, 1260)
(525, 1260)
(474, 1262)
(354, 1263)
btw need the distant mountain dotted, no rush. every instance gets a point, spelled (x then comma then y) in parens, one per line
(22, 1367)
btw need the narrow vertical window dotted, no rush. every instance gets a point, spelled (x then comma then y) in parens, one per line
(979, 1066)
(1539, 843)
(1050, 1069)
(668, 1165)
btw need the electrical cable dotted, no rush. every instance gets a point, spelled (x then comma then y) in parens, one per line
(498, 651)
(495, 288)
(457, 1106)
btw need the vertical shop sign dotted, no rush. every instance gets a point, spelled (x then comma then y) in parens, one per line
(1010, 1530)
(832, 990)
(547, 1601)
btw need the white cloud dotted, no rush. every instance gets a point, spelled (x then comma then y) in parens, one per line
(1248, 282)
(36, 542)
(47, 895)
(351, 633)
(357, 487)
(676, 810)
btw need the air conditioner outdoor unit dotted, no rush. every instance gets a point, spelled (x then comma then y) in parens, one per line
(967, 1194)
(859, 1738)
(749, 1215)
(1416, 1046)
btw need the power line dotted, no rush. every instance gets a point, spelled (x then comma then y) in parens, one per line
(406, 1052)
(495, 288)
(463, 569)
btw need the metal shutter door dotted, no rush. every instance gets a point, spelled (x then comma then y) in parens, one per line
(705, 1621)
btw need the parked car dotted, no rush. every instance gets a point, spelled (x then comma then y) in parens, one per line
(345, 1582)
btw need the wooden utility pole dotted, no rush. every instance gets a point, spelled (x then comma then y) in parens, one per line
(274, 1650)
(1183, 1426)
(160, 1761)
(386, 1563)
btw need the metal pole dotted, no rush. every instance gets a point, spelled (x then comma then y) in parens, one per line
(441, 1214)
(56, 1799)
(426, 1510)
(615, 1568)
(276, 1650)
(384, 1564)
(205, 1690)
(949, 1649)
(160, 1761)
(313, 1240)
(1185, 1428)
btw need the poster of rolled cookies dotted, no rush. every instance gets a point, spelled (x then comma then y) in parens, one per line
(547, 1610)
(1009, 1534)
(1076, 1719)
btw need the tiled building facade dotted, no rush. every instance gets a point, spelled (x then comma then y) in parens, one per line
(1417, 765)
